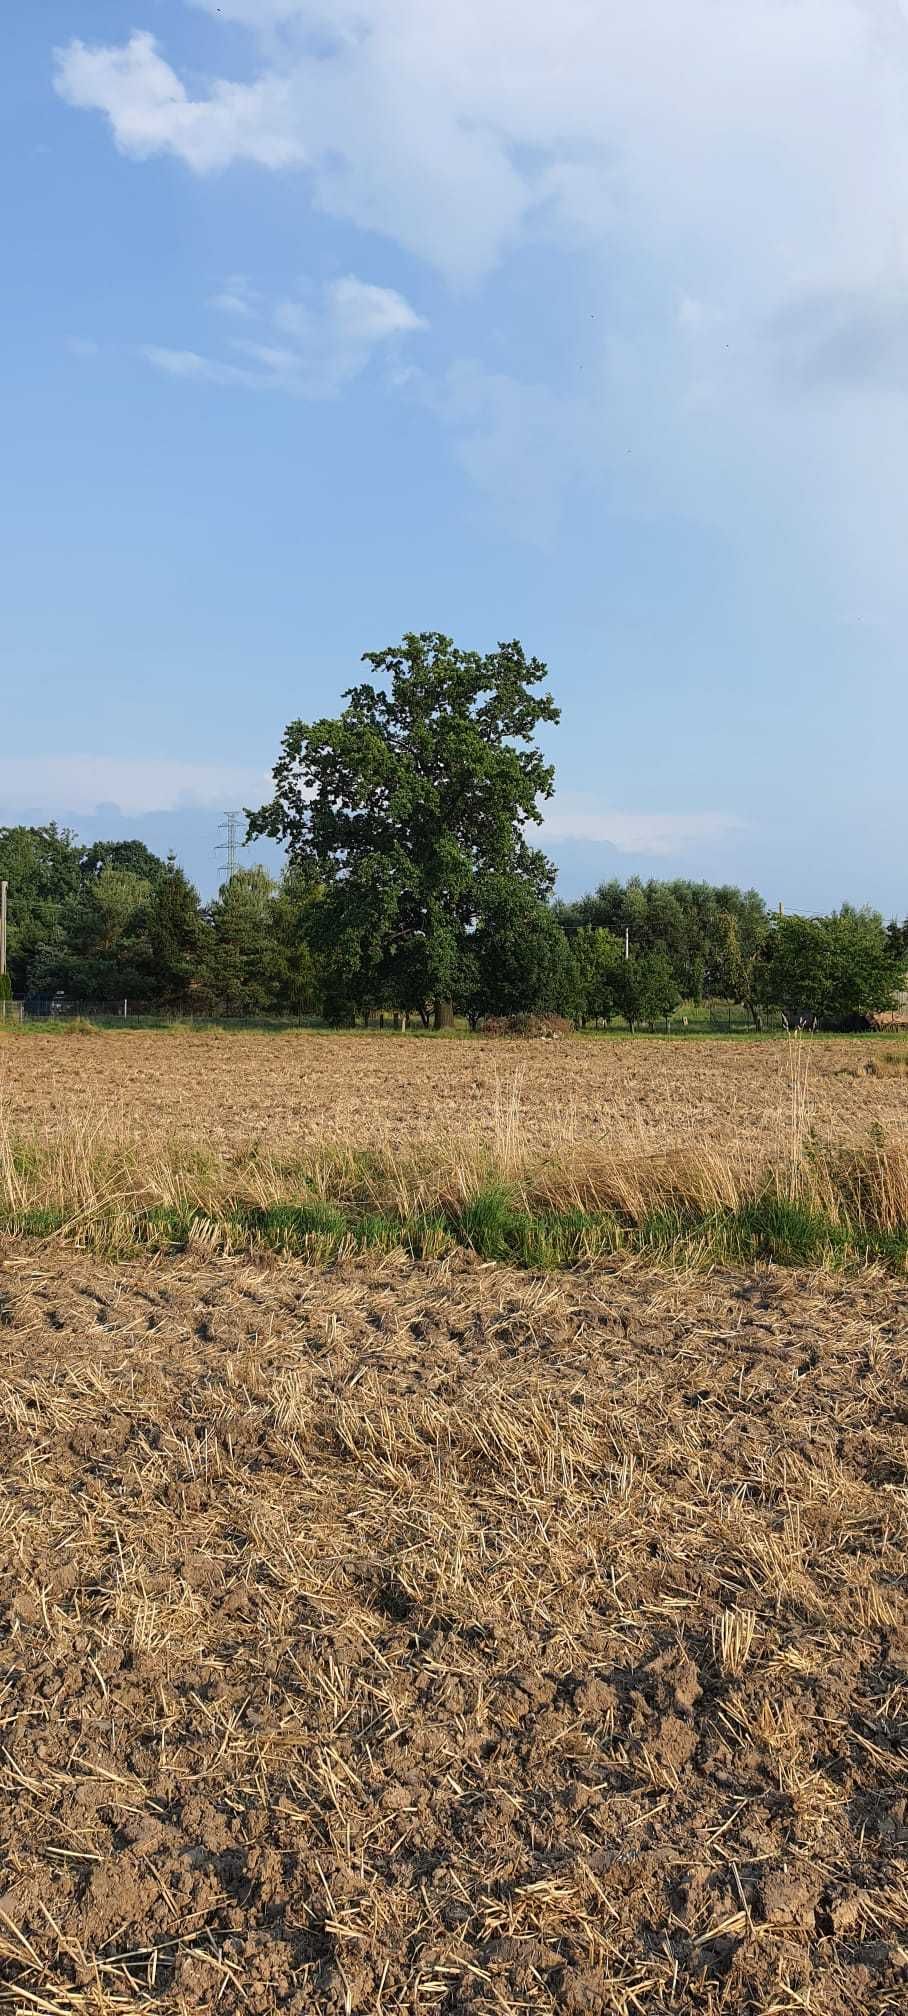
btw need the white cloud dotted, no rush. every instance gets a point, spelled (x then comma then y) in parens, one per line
(659, 833)
(337, 336)
(189, 364)
(150, 110)
(236, 297)
(82, 783)
(334, 336)
(717, 165)
(367, 314)
(139, 785)
(453, 128)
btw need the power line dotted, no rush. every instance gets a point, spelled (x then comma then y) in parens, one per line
(230, 824)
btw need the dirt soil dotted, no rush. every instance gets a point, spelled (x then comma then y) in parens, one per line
(447, 1639)
(294, 1090)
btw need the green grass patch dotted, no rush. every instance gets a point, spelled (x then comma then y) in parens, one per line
(491, 1225)
(35, 1224)
(290, 1228)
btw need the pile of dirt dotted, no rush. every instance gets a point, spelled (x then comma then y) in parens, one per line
(441, 1638)
(550, 1027)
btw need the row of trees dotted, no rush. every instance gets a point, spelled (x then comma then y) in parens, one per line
(412, 885)
(697, 941)
(114, 923)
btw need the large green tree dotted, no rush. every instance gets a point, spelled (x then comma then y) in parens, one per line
(100, 952)
(41, 865)
(408, 805)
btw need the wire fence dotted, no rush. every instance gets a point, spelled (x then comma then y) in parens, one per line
(718, 1018)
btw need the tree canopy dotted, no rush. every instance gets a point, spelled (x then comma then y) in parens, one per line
(410, 808)
(41, 865)
(837, 970)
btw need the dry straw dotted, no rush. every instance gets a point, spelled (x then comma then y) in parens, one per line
(98, 1175)
(439, 1638)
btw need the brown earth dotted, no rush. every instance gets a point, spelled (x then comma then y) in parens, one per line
(230, 1090)
(440, 1638)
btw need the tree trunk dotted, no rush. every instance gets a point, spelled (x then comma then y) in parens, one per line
(444, 1013)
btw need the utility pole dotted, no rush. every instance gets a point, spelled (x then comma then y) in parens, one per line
(230, 824)
(3, 888)
(627, 942)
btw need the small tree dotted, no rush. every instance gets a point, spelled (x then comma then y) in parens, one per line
(630, 990)
(176, 933)
(296, 981)
(597, 957)
(241, 947)
(520, 959)
(659, 992)
(837, 970)
(739, 966)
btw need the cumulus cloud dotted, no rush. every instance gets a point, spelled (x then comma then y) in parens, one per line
(326, 340)
(732, 181)
(151, 112)
(453, 129)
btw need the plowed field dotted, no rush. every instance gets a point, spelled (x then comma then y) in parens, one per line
(442, 1638)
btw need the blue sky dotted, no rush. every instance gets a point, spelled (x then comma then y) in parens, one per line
(586, 325)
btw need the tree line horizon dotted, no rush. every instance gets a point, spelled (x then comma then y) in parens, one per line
(412, 887)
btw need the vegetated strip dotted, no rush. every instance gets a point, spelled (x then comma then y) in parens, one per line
(784, 1230)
